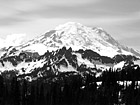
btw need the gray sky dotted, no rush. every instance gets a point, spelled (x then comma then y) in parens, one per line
(120, 18)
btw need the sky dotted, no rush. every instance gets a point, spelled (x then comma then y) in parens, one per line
(26, 19)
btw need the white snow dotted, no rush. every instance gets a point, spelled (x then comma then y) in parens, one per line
(84, 61)
(124, 82)
(67, 69)
(126, 52)
(28, 66)
(99, 83)
(137, 62)
(119, 65)
(73, 35)
(93, 64)
(12, 40)
(40, 48)
(8, 67)
(77, 36)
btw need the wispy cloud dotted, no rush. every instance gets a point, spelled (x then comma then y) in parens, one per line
(29, 10)
(12, 40)
(15, 11)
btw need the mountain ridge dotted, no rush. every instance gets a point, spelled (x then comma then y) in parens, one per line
(61, 49)
(78, 36)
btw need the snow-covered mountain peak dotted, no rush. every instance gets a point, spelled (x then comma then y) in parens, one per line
(77, 36)
(77, 29)
(102, 33)
(70, 45)
(68, 25)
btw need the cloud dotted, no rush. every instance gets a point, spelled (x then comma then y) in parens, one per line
(19, 11)
(78, 8)
(12, 20)
(35, 3)
(12, 40)
(119, 6)
(16, 11)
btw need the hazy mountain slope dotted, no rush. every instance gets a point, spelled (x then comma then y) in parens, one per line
(77, 36)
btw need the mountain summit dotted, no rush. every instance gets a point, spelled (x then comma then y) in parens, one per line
(77, 36)
(71, 47)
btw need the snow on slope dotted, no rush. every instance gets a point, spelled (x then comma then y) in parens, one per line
(84, 61)
(27, 66)
(77, 36)
(67, 69)
(119, 65)
(12, 40)
(73, 35)
(93, 64)
(137, 62)
(38, 47)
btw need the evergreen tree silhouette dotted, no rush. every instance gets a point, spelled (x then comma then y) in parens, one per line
(1, 90)
(24, 92)
(15, 92)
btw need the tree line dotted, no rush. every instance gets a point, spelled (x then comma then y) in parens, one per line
(74, 89)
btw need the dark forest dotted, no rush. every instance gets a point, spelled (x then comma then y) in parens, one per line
(74, 89)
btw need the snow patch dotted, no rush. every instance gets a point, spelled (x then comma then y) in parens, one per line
(23, 67)
(137, 62)
(40, 48)
(119, 65)
(66, 69)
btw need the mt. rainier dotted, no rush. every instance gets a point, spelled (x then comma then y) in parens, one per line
(70, 65)
(70, 47)
(77, 36)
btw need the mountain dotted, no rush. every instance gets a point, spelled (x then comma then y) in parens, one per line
(71, 47)
(77, 36)
(72, 64)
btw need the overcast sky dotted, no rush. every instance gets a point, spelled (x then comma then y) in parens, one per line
(120, 18)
